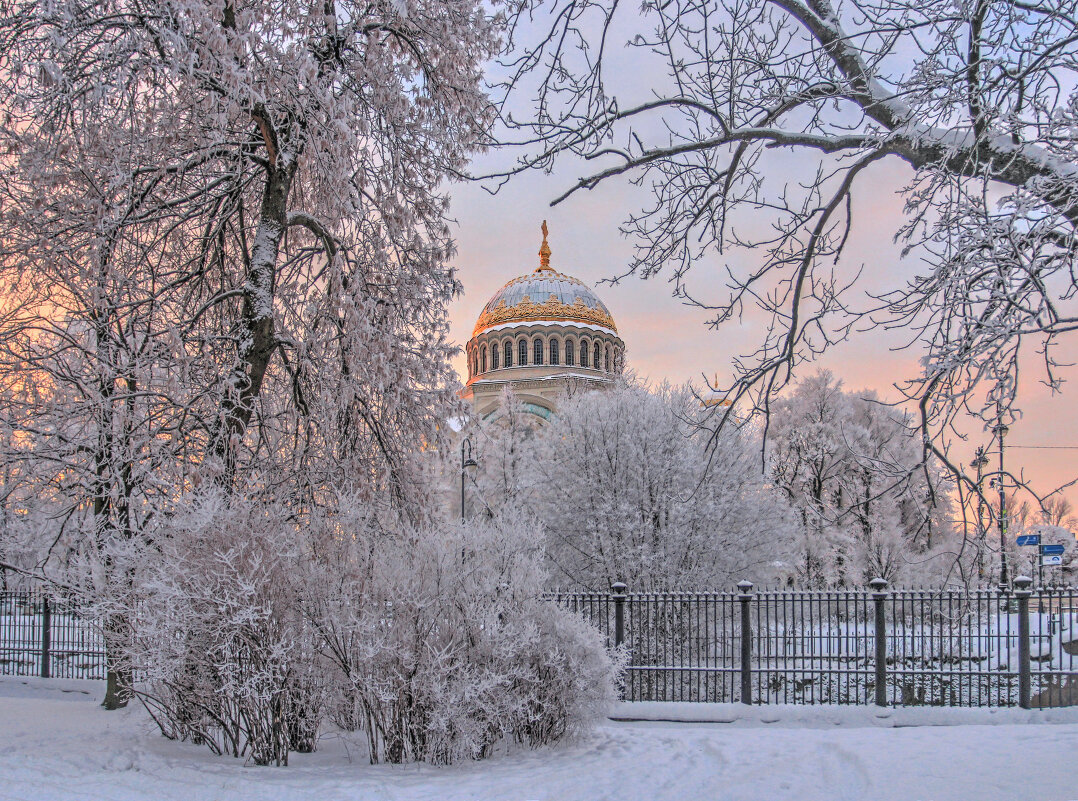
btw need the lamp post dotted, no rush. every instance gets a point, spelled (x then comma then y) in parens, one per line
(1004, 579)
(467, 462)
(979, 461)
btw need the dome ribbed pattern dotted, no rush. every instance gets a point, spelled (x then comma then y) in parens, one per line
(545, 294)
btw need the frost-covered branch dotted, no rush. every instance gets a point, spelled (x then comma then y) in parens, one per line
(751, 122)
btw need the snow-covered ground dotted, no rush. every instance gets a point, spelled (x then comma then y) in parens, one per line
(57, 744)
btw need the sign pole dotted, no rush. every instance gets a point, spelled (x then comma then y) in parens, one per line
(1050, 555)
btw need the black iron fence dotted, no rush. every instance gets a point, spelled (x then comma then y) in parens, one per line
(44, 635)
(874, 646)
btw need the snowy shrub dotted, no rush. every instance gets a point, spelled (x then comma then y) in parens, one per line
(219, 647)
(248, 629)
(571, 680)
(445, 647)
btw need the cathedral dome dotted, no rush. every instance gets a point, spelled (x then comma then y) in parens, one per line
(538, 333)
(544, 294)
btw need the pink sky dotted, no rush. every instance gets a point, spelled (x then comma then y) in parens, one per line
(498, 239)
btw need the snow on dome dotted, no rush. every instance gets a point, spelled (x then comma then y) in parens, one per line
(544, 294)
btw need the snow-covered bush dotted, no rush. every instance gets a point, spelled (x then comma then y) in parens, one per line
(571, 681)
(445, 647)
(247, 629)
(218, 646)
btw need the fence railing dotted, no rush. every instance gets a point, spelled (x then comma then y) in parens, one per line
(873, 646)
(43, 635)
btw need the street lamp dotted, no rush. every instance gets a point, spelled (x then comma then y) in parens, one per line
(1004, 579)
(979, 461)
(466, 463)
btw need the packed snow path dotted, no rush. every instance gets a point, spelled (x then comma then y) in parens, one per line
(57, 744)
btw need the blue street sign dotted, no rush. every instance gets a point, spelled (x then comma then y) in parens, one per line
(1054, 559)
(1053, 549)
(1029, 539)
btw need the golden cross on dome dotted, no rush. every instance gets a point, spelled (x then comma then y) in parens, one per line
(544, 252)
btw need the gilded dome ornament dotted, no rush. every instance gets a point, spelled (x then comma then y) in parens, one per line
(544, 252)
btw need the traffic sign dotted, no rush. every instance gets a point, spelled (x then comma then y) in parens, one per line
(1053, 549)
(1029, 539)
(1052, 559)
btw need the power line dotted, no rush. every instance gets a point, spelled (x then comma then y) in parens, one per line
(1046, 447)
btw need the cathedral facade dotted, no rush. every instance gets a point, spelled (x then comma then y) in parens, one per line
(538, 333)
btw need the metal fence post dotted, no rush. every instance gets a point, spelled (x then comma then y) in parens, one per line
(618, 589)
(46, 636)
(619, 612)
(879, 596)
(1022, 592)
(745, 596)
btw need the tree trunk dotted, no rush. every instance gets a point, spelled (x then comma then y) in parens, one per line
(257, 326)
(118, 679)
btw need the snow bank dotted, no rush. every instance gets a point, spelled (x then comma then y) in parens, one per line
(57, 744)
(830, 716)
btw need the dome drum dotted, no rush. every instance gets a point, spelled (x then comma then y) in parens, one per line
(556, 346)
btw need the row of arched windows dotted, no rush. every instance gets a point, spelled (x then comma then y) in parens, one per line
(594, 354)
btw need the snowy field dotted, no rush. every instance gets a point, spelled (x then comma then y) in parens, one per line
(57, 744)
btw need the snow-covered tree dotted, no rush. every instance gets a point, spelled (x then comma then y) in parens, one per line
(225, 249)
(758, 127)
(92, 398)
(276, 166)
(626, 489)
(505, 448)
(851, 466)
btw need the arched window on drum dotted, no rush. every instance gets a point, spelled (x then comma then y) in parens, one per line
(483, 360)
(508, 354)
(555, 357)
(583, 353)
(595, 358)
(494, 357)
(569, 355)
(537, 351)
(522, 352)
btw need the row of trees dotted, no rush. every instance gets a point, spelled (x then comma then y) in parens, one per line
(630, 486)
